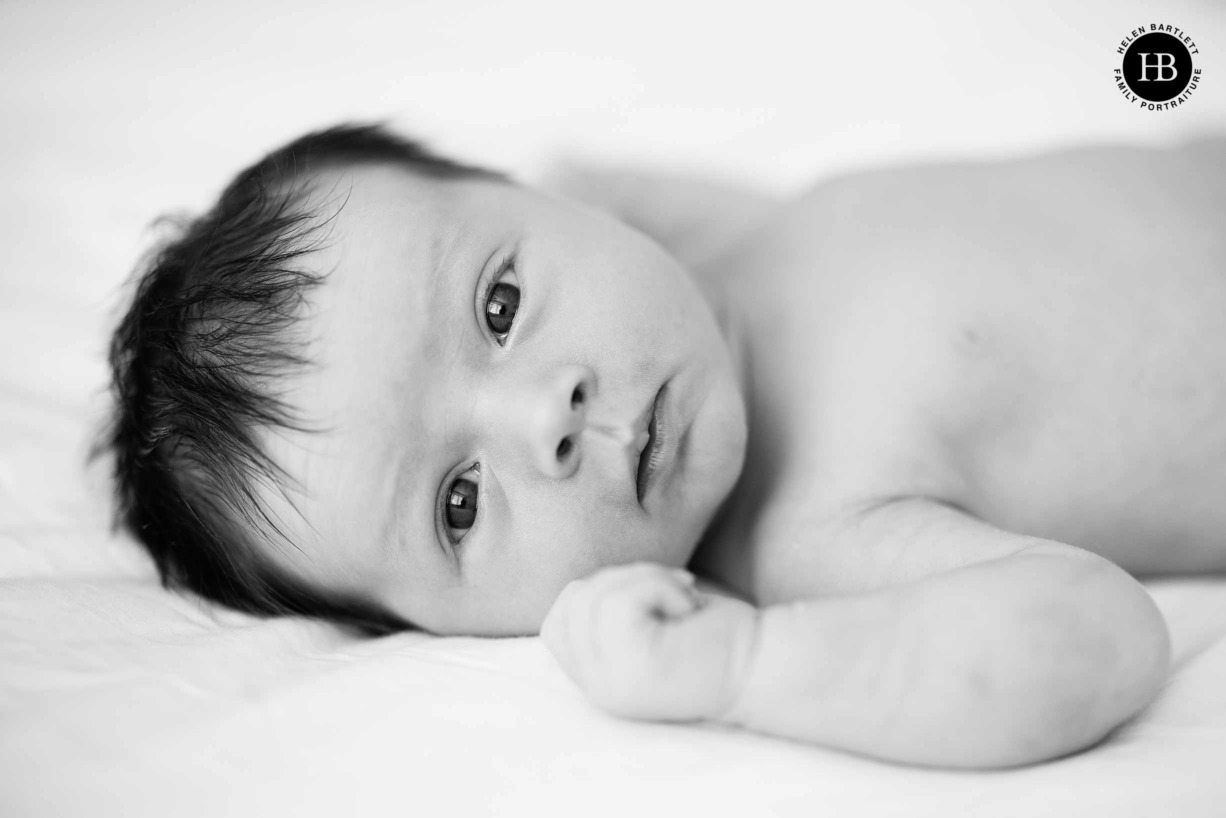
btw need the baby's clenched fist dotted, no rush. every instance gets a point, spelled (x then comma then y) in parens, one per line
(643, 643)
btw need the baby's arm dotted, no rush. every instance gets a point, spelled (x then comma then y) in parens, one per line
(1031, 650)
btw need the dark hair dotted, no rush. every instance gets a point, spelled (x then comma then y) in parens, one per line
(195, 363)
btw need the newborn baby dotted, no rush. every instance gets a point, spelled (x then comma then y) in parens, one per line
(918, 427)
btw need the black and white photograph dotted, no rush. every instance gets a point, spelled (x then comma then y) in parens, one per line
(666, 407)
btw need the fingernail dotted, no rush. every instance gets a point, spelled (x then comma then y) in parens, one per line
(683, 575)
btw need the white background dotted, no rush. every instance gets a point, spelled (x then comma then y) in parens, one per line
(118, 698)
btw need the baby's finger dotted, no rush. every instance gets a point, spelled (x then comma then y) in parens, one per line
(661, 594)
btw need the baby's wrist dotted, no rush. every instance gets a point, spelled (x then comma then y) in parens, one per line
(741, 669)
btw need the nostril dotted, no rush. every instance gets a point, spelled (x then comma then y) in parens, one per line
(576, 397)
(564, 448)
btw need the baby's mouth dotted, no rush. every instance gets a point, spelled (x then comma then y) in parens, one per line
(653, 446)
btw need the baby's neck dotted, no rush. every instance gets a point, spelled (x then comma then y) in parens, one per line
(720, 282)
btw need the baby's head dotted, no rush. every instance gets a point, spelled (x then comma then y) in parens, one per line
(384, 388)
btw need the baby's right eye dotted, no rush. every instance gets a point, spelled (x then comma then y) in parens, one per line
(460, 506)
(502, 302)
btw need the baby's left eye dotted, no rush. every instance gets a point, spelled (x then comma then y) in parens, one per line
(459, 504)
(461, 510)
(501, 305)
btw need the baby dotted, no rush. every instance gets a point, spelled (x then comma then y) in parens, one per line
(919, 426)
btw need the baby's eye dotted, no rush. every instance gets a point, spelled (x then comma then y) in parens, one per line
(501, 304)
(460, 506)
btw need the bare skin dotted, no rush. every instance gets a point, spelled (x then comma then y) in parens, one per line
(975, 394)
(976, 397)
(1041, 344)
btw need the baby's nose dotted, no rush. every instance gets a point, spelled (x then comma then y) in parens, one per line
(549, 416)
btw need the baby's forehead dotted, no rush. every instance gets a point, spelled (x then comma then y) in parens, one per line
(380, 190)
(344, 196)
(395, 250)
(375, 225)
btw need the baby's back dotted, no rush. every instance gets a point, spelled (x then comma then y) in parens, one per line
(1042, 343)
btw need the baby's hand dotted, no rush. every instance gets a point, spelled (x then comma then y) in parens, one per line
(644, 644)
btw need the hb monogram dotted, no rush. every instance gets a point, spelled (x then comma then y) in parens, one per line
(1160, 65)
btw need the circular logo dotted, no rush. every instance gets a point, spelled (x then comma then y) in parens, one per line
(1157, 67)
(1157, 70)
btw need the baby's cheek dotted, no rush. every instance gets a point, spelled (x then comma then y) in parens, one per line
(645, 541)
(561, 554)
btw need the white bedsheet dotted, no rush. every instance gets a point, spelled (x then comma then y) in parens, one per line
(118, 698)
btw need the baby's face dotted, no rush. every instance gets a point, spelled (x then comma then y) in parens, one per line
(486, 361)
